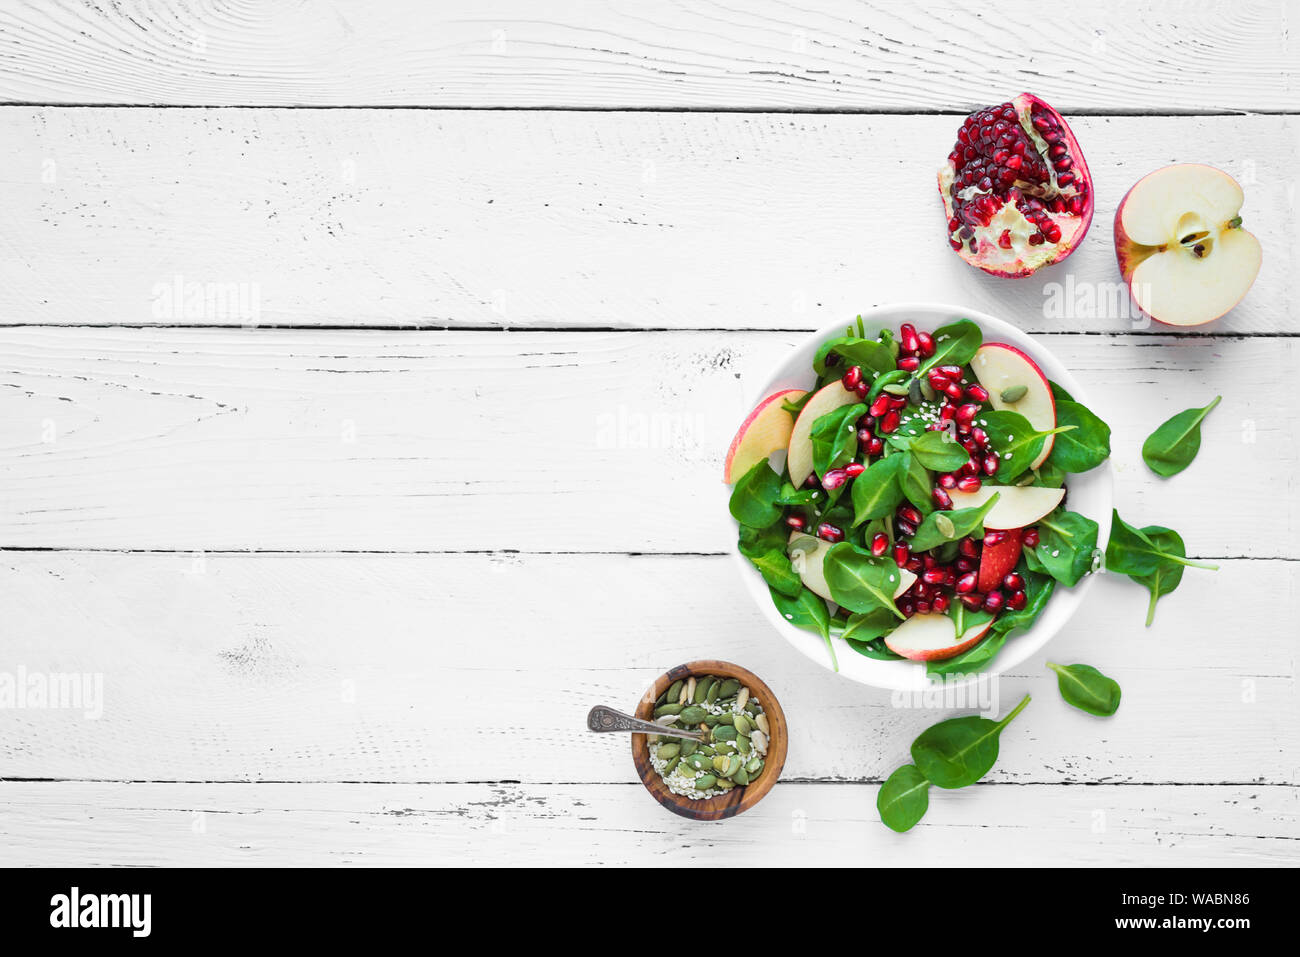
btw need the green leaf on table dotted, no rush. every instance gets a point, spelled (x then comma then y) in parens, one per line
(1154, 557)
(903, 799)
(958, 752)
(950, 526)
(1171, 448)
(1087, 689)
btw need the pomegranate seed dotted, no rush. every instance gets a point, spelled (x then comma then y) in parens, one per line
(914, 565)
(940, 603)
(1017, 600)
(864, 436)
(934, 576)
(977, 393)
(966, 413)
(979, 435)
(854, 469)
(1005, 239)
(830, 533)
(890, 422)
(852, 378)
(925, 344)
(969, 483)
(1053, 233)
(970, 445)
(992, 537)
(901, 554)
(947, 480)
(947, 412)
(966, 471)
(1036, 239)
(909, 513)
(923, 608)
(938, 381)
(955, 244)
(1030, 539)
(907, 337)
(879, 544)
(907, 608)
(991, 463)
(942, 500)
(969, 547)
(994, 600)
(880, 405)
(908, 529)
(964, 565)
(1013, 582)
(834, 478)
(973, 601)
(897, 402)
(928, 561)
(862, 389)
(875, 446)
(966, 584)
(910, 363)
(796, 522)
(954, 391)
(952, 372)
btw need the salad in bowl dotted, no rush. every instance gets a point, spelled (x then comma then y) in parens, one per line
(920, 493)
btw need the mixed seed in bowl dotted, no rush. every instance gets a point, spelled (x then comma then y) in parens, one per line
(736, 736)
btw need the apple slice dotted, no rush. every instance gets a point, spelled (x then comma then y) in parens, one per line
(1180, 245)
(809, 566)
(767, 430)
(1016, 507)
(1000, 367)
(998, 561)
(932, 637)
(826, 399)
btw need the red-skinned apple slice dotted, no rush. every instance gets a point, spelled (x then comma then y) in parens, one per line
(1180, 245)
(1000, 367)
(826, 399)
(808, 564)
(932, 637)
(1016, 507)
(766, 430)
(997, 561)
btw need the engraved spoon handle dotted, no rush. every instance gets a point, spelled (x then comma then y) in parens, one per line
(601, 718)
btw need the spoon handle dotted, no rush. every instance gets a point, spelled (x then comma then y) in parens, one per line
(601, 718)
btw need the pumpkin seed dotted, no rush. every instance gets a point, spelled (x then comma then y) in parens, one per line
(742, 697)
(702, 689)
(927, 390)
(914, 394)
(706, 750)
(724, 784)
(743, 745)
(720, 763)
(693, 714)
(944, 525)
(669, 751)
(726, 719)
(688, 690)
(664, 709)
(741, 724)
(1015, 393)
(711, 721)
(725, 747)
(667, 720)
(896, 388)
(705, 781)
(753, 766)
(729, 688)
(741, 776)
(689, 745)
(761, 723)
(759, 740)
(712, 696)
(671, 766)
(724, 732)
(674, 692)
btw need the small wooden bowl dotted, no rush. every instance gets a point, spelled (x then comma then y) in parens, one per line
(737, 799)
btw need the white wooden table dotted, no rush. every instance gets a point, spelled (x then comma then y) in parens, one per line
(356, 535)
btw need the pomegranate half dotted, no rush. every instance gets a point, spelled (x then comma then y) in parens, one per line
(1016, 188)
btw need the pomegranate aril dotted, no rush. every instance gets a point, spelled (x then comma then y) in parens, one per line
(830, 533)
(879, 544)
(966, 413)
(914, 565)
(911, 363)
(1013, 582)
(977, 393)
(879, 405)
(910, 513)
(1017, 600)
(973, 601)
(862, 389)
(954, 391)
(947, 481)
(908, 529)
(902, 554)
(834, 478)
(938, 381)
(923, 608)
(991, 463)
(964, 565)
(966, 583)
(889, 423)
(979, 435)
(854, 469)
(864, 436)
(876, 446)
(1030, 539)
(994, 600)
(907, 608)
(907, 337)
(852, 378)
(969, 547)
(925, 344)
(951, 372)
(796, 522)
(968, 483)
(942, 500)
(940, 603)
(992, 537)
(1005, 239)
(928, 561)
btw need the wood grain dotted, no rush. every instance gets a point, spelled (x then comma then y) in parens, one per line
(399, 218)
(548, 442)
(87, 824)
(1112, 55)
(454, 668)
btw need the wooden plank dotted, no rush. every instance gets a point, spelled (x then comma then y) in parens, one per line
(1113, 55)
(82, 824)
(523, 219)
(454, 668)
(186, 439)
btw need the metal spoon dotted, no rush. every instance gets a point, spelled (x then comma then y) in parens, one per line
(601, 718)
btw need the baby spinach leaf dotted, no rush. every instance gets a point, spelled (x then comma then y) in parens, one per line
(1015, 440)
(858, 581)
(954, 345)
(835, 437)
(903, 798)
(866, 627)
(1087, 689)
(1067, 542)
(875, 648)
(1171, 448)
(877, 492)
(1058, 393)
(774, 565)
(753, 500)
(1153, 556)
(793, 496)
(873, 356)
(1038, 592)
(940, 527)
(958, 752)
(756, 541)
(1048, 475)
(796, 406)
(973, 659)
(807, 610)
(914, 479)
(938, 451)
(1085, 446)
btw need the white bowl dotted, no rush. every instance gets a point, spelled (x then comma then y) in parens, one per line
(1090, 494)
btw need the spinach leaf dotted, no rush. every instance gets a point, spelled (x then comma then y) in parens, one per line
(835, 437)
(1067, 543)
(1015, 440)
(866, 627)
(756, 541)
(1086, 445)
(1059, 394)
(1153, 556)
(1048, 475)
(1171, 448)
(774, 565)
(954, 345)
(753, 500)
(875, 648)
(973, 659)
(795, 407)
(860, 582)
(873, 356)
(914, 479)
(1038, 592)
(1087, 689)
(940, 527)
(807, 610)
(793, 496)
(958, 752)
(903, 798)
(938, 451)
(877, 492)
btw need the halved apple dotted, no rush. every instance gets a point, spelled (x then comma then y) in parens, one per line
(766, 430)
(932, 637)
(1016, 507)
(808, 563)
(998, 561)
(1180, 245)
(826, 399)
(999, 368)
